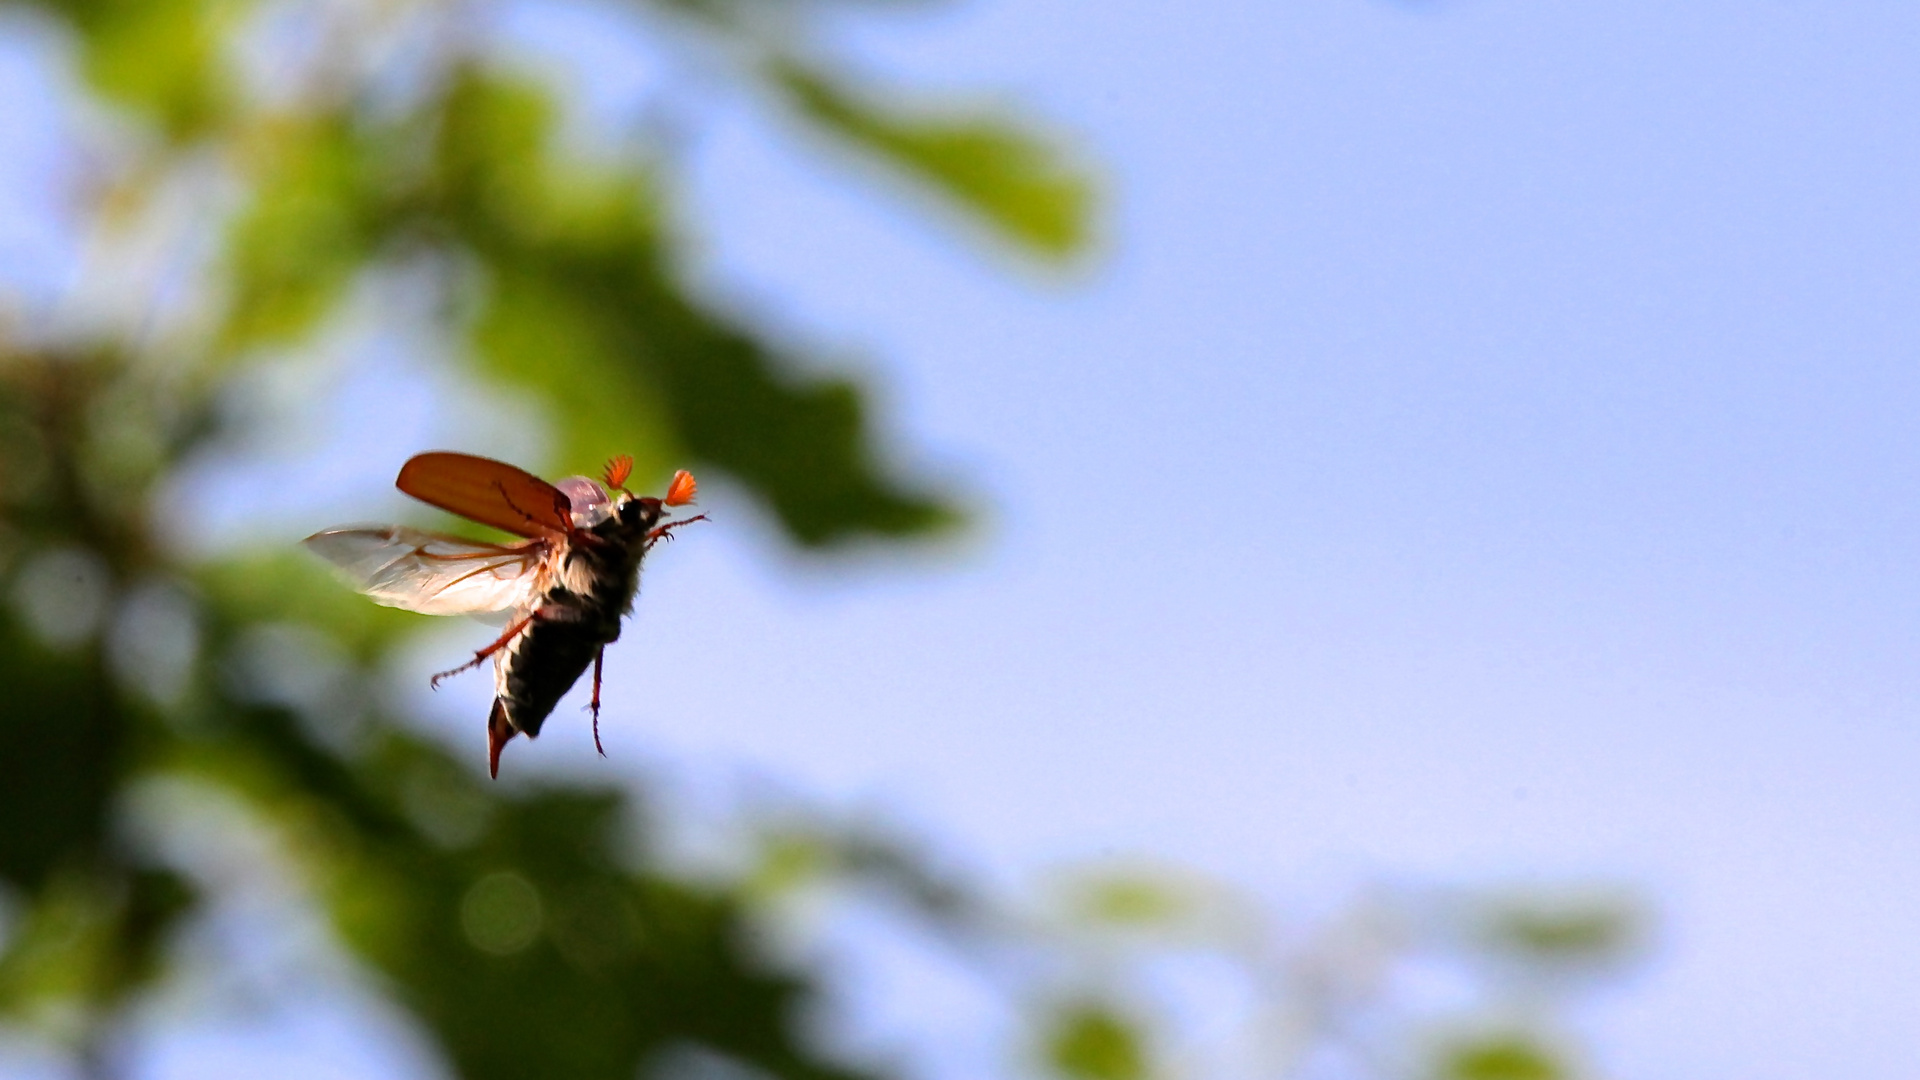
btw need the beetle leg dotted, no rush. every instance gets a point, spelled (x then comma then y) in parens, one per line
(512, 632)
(665, 532)
(595, 703)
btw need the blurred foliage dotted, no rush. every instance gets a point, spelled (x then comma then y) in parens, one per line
(289, 152)
(1094, 1043)
(982, 162)
(1506, 1057)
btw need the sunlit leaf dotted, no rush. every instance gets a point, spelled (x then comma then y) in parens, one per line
(1130, 900)
(787, 861)
(1092, 1042)
(1564, 931)
(310, 226)
(293, 584)
(1500, 1057)
(533, 333)
(802, 444)
(89, 938)
(1005, 178)
(586, 311)
(57, 945)
(162, 58)
(534, 952)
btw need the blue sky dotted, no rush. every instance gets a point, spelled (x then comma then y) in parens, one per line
(1487, 448)
(1484, 448)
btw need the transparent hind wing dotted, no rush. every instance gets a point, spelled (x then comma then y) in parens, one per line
(432, 574)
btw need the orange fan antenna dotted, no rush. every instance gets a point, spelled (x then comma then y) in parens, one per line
(618, 469)
(682, 489)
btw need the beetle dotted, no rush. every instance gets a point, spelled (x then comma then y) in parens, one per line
(563, 587)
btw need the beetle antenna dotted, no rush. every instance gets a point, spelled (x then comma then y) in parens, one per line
(681, 490)
(619, 468)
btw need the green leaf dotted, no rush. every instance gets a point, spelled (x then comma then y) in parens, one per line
(582, 307)
(278, 585)
(67, 743)
(312, 223)
(534, 951)
(162, 58)
(533, 333)
(802, 444)
(92, 937)
(1567, 931)
(1007, 179)
(1092, 1042)
(1135, 900)
(1500, 1057)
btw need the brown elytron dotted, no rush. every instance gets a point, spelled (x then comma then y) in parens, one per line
(564, 587)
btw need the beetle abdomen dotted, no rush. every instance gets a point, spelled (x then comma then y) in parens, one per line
(542, 664)
(577, 617)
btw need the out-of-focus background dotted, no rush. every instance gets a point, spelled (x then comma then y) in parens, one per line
(1339, 540)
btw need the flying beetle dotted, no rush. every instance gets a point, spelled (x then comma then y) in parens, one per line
(563, 587)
